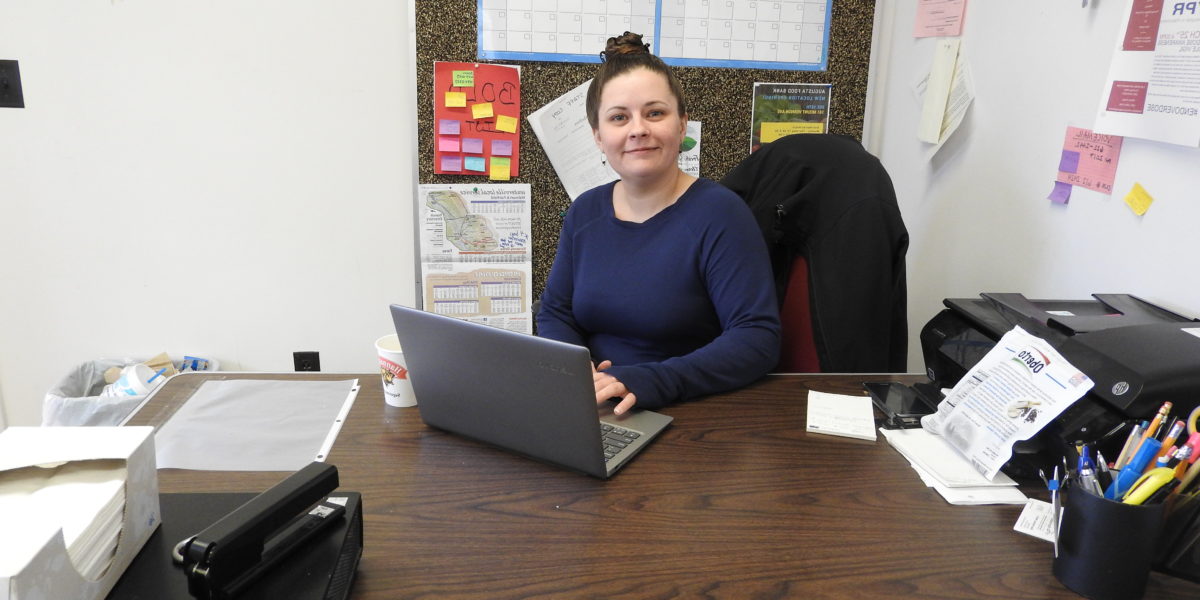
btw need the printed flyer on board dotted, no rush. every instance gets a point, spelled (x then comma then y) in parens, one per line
(475, 253)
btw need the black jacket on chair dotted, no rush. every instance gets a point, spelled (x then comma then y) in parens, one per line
(824, 197)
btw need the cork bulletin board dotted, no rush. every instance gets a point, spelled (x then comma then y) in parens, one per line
(719, 98)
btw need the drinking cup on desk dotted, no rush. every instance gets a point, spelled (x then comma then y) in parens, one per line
(397, 389)
(1105, 547)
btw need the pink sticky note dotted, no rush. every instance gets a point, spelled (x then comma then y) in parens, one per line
(1096, 167)
(1061, 194)
(501, 147)
(448, 144)
(449, 126)
(472, 145)
(451, 163)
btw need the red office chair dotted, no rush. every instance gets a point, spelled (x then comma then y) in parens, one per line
(828, 211)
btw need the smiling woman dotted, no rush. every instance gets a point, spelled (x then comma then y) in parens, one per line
(663, 276)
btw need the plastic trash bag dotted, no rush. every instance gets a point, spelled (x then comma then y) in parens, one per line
(76, 399)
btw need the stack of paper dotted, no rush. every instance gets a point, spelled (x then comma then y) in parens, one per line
(944, 469)
(836, 414)
(86, 499)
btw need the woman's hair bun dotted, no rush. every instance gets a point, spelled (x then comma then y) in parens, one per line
(626, 43)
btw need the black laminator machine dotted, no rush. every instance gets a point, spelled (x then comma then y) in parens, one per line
(1138, 354)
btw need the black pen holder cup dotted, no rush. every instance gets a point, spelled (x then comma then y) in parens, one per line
(1105, 548)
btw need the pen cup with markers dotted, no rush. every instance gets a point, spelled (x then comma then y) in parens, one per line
(1106, 547)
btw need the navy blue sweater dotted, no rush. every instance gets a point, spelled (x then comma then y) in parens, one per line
(683, 304)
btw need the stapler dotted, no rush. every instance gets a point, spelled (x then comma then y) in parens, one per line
(231, 554)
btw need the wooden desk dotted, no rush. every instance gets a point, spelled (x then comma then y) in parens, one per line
(735, 500)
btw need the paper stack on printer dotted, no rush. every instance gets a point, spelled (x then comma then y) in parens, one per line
(1021, 385)
(945, 470)
(85, 498)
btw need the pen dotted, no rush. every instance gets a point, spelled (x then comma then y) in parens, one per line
(1133, 471)
(1103, 475)
(1087, 475)
(1135, 436)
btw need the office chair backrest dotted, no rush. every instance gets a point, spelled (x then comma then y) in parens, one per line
(824, 199)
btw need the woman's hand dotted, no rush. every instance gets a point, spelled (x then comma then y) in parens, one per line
(608, 387)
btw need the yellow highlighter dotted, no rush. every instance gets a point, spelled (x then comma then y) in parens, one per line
(1147, 484)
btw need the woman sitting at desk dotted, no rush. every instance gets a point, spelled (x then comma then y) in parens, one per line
(663, 276)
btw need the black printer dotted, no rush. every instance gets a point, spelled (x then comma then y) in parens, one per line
(1138, 354)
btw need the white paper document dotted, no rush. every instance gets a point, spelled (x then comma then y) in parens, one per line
(974, 495)
(1018, 388)
(935, 456)
(836, 414)
(1037, 519)
(254, 425)
(935, 127)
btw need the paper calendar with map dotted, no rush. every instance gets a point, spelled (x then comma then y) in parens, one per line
(783, 35)
(475, 253)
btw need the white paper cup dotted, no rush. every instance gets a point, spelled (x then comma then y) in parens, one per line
(397, 389)
(134, 381)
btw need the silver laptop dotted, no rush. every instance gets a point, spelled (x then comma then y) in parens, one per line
(526, 394)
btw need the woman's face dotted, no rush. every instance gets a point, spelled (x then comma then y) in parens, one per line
(639, 127)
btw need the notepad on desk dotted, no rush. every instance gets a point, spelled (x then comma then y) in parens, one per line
(837, 414)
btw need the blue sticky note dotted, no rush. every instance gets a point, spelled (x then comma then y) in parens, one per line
(472, 145)
(1069, 162)
(1061, 193)
(476, 163)
(501, 147)
(449, 126)
(451, 163)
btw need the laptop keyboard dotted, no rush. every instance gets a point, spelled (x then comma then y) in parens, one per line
(615, 439)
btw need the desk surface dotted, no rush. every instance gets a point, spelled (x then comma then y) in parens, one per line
(734, 500)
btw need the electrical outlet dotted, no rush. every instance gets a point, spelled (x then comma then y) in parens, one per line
(10, 85)
(307, 361)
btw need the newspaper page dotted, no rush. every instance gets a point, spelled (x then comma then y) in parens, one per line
(1016, 390)
(475, 253)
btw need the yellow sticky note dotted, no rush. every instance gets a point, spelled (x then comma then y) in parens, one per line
(463, 78)
(773, 131)
(506, 124)
(501, 169)
(456, 99)
(482, 110)
(1138, 199)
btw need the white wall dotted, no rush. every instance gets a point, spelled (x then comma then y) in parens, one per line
(223, 178)
(978, 214)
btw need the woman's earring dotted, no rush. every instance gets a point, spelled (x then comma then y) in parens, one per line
(603, 160)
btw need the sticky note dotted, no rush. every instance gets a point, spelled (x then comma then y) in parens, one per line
(456, 99)
(501, 147)
(472, 146)
(506, 124)
(464, 78)
(482, 110)
(1138, 199)
(501, 168)
(448, 144)
(449, 126)
(1061, 193)
(1069, 163)
(475, 163)
(451, 163)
